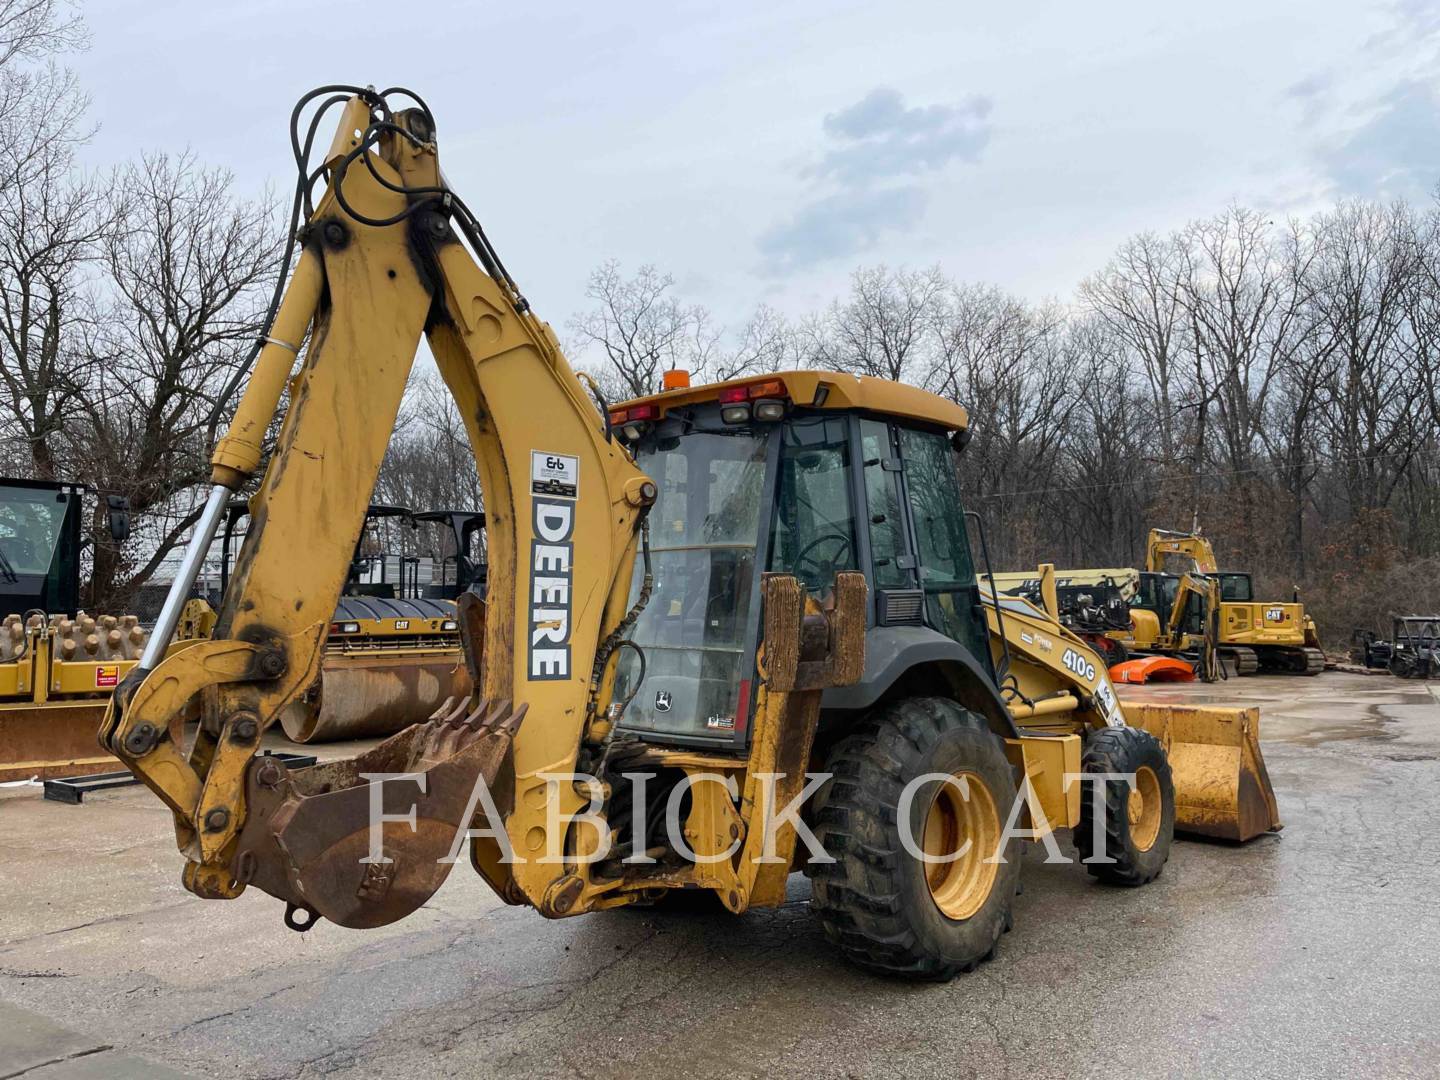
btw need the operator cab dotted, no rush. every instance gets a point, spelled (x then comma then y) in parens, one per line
(39, 545)
(41, 539)
(760, 476)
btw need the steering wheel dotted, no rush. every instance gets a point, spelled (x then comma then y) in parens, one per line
(824, 570)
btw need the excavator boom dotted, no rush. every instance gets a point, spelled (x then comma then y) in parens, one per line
(1193, 546)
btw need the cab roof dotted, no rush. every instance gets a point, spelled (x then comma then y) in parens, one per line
(826, 390)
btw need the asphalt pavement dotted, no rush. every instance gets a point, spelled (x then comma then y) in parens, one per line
(1313, 952)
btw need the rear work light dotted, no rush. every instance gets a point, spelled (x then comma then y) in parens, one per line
(448, 624)
(344, 627)
(768, 397)
(735, 414)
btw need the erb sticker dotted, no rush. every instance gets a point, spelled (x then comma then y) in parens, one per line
(107, 675)
(554, 475)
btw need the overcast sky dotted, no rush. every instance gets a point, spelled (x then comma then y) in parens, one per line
(762, 150)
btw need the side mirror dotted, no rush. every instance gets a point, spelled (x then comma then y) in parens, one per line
(118, 508)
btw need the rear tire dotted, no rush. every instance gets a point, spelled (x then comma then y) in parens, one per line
(1139, 823)
(887, 910)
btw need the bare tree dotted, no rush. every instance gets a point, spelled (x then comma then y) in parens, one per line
(884, 328)
(48, 227)
(766, 343)
(1360, 281)
(185, 274)
(642, 329)
(429, 464)
(50, 223)
(36, 29)
(1005, 360)
(1138, 297)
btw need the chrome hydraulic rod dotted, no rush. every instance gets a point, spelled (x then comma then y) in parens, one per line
(200, 541)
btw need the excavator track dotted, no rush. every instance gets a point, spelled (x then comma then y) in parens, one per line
(1242, 660)
(1293, 660)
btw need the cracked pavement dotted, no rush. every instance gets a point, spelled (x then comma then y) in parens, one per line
(1314, 952)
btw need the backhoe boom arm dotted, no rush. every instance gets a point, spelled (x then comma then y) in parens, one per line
(382, 264)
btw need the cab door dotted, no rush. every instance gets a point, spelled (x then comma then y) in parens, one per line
(930, 486)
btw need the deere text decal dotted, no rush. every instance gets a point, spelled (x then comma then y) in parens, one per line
(551, 556)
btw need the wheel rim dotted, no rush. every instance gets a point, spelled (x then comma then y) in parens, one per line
(961, 885)
(1143, 808)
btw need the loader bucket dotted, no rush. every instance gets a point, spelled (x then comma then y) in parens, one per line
(1152, 669)
(367, 696)
(1222, 789)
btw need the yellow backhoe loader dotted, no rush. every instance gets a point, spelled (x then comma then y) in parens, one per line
(695, 601)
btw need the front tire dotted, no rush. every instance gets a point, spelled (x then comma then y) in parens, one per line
(1138, 823)
(887, 910)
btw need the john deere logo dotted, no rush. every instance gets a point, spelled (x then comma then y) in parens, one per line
(662, 700)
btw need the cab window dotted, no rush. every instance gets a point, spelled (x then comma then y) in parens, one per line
(1235, 587)
(814, 527)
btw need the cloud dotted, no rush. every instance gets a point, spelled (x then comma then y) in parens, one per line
(845, 223)
(1394, 151)
(1310, 87)
(865, 182)
(1374, 122)
(1411, 21)
(882, 138)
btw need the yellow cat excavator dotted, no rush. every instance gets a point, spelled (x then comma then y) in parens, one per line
(719, 621)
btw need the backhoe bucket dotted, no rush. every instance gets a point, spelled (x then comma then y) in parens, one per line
(1222, 789)
(317, 838)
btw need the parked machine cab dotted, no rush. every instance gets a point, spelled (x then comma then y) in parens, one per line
(766, 484)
